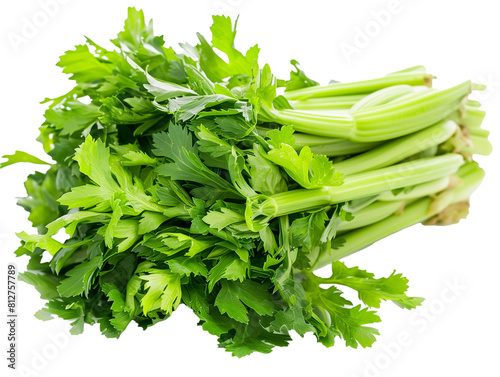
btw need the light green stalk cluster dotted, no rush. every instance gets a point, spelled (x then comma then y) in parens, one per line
(405, 150)
(445, 205)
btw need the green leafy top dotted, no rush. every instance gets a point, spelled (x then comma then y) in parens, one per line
(305, 168)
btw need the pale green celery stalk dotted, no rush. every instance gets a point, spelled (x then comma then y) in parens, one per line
(480, 145)
(471, 175)
(360, 87)
(418, 91)
(415, 213)
(414, 69)
(370, 214)
(480, 132)
(382, 96)
(383, 122)
(388, 203)
(301, 140)
(361, 185)
(397, 150)
(339, 102)
(480, 86)
(342, 147)
(328, 146)
(472, 117)
(468, 116)
(473, 103)
(418, 191)
(469, 122)
(341, 125)
(398, 119)
(324, 112)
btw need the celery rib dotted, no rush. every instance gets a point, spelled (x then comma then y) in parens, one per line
(370, 214)
(414, 213)
(360, 87)
(362, 185)
(399, 149)
(423, 189)
(342, 148)
(382, 96)
(338, 102)
(383, 122)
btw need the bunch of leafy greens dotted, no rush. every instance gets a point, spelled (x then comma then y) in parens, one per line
(179, 178)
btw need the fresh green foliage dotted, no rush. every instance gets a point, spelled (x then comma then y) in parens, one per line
(180, 179)
(308, 170)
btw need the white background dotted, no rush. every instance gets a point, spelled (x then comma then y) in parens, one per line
(455, 40)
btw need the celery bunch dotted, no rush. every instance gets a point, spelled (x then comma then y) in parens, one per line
(186, 178)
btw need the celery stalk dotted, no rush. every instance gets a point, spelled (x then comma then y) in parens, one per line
(398, 149)
(360, 185)
(342, 147)
(370, 214)
(382, 96)
(361, 87)
(472, 117)
(338, 102)
(301, 140)
(480, 146)
(398, 119)
(415, 213)
(327, 146)
(423, 189)
(382, 122)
